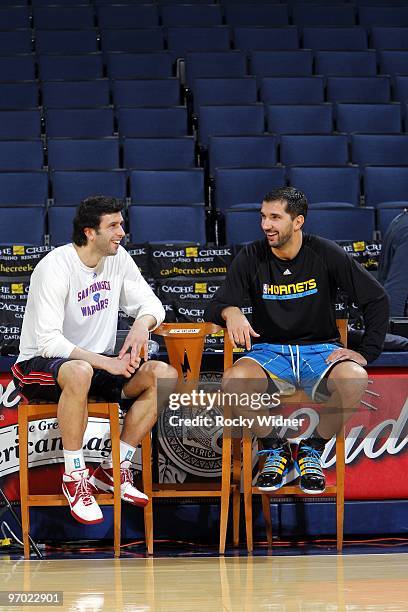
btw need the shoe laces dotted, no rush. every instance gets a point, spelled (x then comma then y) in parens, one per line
(312, 457)
(273, 456)
(126, 476)
(84, 490)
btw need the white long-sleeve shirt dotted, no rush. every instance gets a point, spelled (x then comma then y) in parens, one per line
(72, 305)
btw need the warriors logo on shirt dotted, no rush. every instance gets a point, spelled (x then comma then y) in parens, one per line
(291, 291)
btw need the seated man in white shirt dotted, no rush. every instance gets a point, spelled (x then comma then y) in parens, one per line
(67, 344)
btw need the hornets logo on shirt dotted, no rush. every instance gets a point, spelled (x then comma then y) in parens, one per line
(291, 291)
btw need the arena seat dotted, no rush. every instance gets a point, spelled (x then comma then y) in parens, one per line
(159, 153)
(146, 92)
(265, 38)
(75, 94)
(22, 225)
(309, 15)
(362, 89)
(132, 40)
(368, 118)
(70, 187)
(79, 122)
(153, 65)
(70, 67)
(66, 41)
(292, 90)
(158, 187)
(234, 186)
(63, 17)
(226, 64)
(20, 123)
(281, 63)
(21, 154)
(330, 186)
(383, 186)
(182, 39)
(253, 14)
(191, 15)
(379, 149)
(127, 16)
(83, 154)
(19, 67)
(335, 38)
(167, 224)
(230, 120)
(346, 63)
(299, 118)
(341, 224)
(29, 188)
(152, 122)
(214, 91)
(242, 151)
(314, 149)
(18, 96)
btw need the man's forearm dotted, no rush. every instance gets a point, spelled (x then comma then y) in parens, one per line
(97, 361)
(230, 310)
(148, 320)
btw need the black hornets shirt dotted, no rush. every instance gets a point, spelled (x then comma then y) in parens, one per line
(293, 300)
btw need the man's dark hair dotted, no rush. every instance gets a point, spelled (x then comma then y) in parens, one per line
(89, 213)
(296, 202)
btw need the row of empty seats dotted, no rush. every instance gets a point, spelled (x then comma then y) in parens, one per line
(180, 39)
(328, 186)
(147, 15)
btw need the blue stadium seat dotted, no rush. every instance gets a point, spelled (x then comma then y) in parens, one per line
(229, 120)
(15, 41)
(401, 88)
(309, 15)
(75, 94)
(56, 2)
(180, 40)
(346, 63)
(341, 224)
(251, 14)
(331, 186)
(299, 119)
(21, 155)
(239, 90)
(154, 65)
(393, 62)
(22, 225)
(281, 63)
(389, 38)
(243, 225)
(383, 15)
(17, 67)
(159, 153)
(314, 150)
(79, 122)
(152, 122)
(374, 89)
(20, 123)
(66, 41)
(379, 149)
(225, 64)
(386, 215)
(167, 224)
(158, 187)
(63, 17)
(60, 220)
(81, 154)
(368, 118)
(335, 39)
(19, 95)
(145, 92)
(235, 186)
(24, 188)
(242, 152)
(14, 17)
(132, 41)
(292, 90)
(69, 188)
(266, 39)
(70, 67)
(384, 187)
(138, 16)
(191, 15)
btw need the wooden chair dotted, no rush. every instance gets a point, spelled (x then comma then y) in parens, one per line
(187, 339)
(336, 490)
(34, 411)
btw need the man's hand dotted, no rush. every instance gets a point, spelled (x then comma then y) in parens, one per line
(239, 329)
(341, 354)
(136, 340)
(120, 367)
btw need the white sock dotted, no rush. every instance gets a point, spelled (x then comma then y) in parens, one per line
(126, 454)
(74, 460)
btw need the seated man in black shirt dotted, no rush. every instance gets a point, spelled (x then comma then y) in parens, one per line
(292, 279)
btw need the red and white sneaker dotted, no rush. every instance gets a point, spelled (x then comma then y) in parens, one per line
(102, 479)
(79, 493)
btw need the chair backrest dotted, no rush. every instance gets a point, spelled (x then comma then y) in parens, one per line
(83, 154)
(245, 185)
(309, 15)
(362, 89)
(182, 39)
(251, 38)
(242, 151)
(382, 185)
(379, 149)
(335, 38)
(17, 67)
(346, 63)
(167, 224)
(214, 64)
(75, 94)
(60, 220)
(401, 87)
(146, 92)
(15, 41)
(79, 122)
(368, 118)
(326, 185)
(281, 63)
(253, 14)
(19, 95)
(69, 188)
(386, 215)
(389, 37)
(14, 17)
(66, 41)
(314, 150)
(191, 15)
(393, 62)
(292, 90)
(230, 120)
(132, 41)
(159, 153)
(213, 91)
(299, 119)
(152, 122)
(153, 65)
(24, 188)
(22, 225)
(342, 224)
(70, 67)
(63, 17)
(243, 225)
(138, 16)
(174, 187)
(20, 123)
(21, 154)
(383, 15)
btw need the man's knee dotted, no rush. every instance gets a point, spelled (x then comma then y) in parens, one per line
(349, 379)
(76, 374)
(159, 370)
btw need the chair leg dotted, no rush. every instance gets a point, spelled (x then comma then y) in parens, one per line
(236, 495)
(115, 436)
(266, 508)
(247, 470)
(148, 490)
(23, 453)
(225, 486)
(340, 470)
